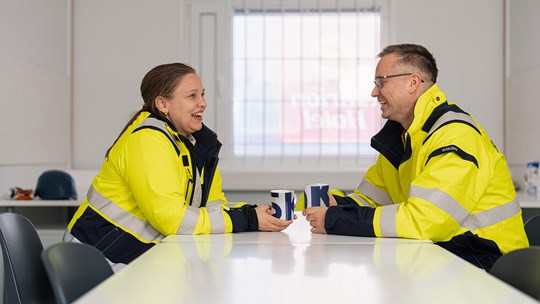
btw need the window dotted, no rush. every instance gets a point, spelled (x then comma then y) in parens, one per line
(302, 83)
(289, 85)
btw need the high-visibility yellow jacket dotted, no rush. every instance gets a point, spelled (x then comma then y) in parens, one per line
(437, 180)
(149, 187)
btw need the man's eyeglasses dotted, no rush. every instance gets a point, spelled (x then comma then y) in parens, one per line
(379, 80)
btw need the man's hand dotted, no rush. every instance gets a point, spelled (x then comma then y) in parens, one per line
(315, 216)
(332, 200)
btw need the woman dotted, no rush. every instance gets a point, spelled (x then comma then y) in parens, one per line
(160, 177)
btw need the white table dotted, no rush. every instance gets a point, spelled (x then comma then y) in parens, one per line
(296, 233)
(297, 267)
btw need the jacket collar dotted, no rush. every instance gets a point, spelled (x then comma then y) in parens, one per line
(424, 107)
(204, 136)
(389, 141)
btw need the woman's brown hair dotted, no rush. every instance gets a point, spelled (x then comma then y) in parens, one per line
(159, 81)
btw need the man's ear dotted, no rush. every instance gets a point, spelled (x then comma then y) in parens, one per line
(161, 104)
(415, 83)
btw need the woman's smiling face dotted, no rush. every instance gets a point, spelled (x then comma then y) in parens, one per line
(186, 106)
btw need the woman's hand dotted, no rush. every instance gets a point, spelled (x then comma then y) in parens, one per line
(267, 221)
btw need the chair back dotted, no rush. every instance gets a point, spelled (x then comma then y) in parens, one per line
(521, 269)
(532, 229)
(74, 269)
(25, 280)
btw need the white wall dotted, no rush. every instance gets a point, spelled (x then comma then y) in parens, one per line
(116, 42)
(466, 38)
(523, 77)
(34, 90)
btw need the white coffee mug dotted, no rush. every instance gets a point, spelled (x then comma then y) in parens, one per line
(283, 203)
(316, 195)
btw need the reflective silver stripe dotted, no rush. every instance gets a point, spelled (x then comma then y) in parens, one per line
(154, 122)
(357, 198)
(196, 199)
(387, 221)
(442, 200)
(217, 203)
(492, 216)
(460, 214)
(123, 218)
(449, 116)
(215, 213)
(379, 196)
(191, 217)
(69, 238)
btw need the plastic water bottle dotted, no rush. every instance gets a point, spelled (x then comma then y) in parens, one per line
(532, 178)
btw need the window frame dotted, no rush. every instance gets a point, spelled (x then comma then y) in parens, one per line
(214, 65)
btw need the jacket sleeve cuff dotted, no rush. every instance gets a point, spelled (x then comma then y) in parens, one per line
(344, 200)
(350, 220)
(244, 218)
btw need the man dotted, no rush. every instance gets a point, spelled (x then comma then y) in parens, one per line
(438, 175)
